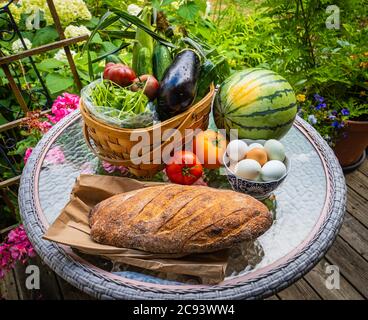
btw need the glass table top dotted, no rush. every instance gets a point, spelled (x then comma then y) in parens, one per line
(299, 200)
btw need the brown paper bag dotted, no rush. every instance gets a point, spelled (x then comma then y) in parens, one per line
(71, 228)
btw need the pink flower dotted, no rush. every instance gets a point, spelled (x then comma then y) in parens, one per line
(62, 106)
(44, 126)
(55, 156)
(200, 182)
(110, 168)
(27, 154)
(123, 170)
(87, 168)
(16, 247)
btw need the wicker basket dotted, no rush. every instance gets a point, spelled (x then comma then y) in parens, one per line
(113, 144)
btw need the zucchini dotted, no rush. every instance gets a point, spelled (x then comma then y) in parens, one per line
(161, 60)
(142, 39)
(144, 63)
(207, 75)
(215, 70)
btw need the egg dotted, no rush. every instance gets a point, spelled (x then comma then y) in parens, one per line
(248, 169)
(236, 150)
(257, 154)
(273, 170)
(255, 145)
(275, 150)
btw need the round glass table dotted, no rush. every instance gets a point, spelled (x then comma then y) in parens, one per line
(309, 213)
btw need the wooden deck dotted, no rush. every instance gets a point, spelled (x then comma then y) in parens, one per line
(349, 252)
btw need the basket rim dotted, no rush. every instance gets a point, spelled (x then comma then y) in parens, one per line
(86, 115)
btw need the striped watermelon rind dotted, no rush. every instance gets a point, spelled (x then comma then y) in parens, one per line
(258, 102)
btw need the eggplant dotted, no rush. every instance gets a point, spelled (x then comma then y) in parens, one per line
(178, 87)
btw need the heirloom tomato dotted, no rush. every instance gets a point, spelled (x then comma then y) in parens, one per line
(119, 74)
(209, 146)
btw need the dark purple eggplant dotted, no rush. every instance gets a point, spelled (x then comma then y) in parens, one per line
(178, 87)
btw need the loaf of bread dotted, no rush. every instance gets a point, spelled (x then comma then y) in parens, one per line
(178, 219)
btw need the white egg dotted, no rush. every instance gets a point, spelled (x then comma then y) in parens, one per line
(273, 170)
(275, 150)
(255, 145)
(236, 150)
(248, 169)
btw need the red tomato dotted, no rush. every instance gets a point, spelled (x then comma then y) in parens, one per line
(184, 168)
(119, 73)
(148, 83)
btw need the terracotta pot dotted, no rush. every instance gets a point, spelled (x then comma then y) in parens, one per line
(351, 146)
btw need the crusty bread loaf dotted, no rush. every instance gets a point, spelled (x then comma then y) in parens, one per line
(178, 219)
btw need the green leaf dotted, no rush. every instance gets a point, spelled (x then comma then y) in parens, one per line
(189, 10)
(104, 22)
(44, 35)
(166, 2)
(97, 39)
(56, 82)
(158, 4)
(123, 45)
(2, 120)
(50, 64)
(140, 24)
(119, 34)
(108, 46)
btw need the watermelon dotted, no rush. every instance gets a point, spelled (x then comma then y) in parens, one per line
(258, 102)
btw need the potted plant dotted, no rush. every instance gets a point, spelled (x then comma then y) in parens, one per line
(336, 104)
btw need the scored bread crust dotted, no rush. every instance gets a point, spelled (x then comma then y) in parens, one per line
(178, 219)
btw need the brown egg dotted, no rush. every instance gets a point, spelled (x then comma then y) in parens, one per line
(258, 154)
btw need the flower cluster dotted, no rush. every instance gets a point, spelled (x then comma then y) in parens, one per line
(68, 10)
(61, 55)
(328, 121)
(110, 168)
(35, 121)
(133, 9)
(17, 45)
(36, 124)
(75, 31)
(55, 156)
(27, 154)
(26, 7)
(16, 247)
(62, 106)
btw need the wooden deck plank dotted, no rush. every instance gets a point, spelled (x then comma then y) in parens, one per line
(8, 287)
(364, 167)
(300, 290)
(356, 235)
(352, 266)
(317, 279)
(358, 181)
(49, 288)
(357, 206)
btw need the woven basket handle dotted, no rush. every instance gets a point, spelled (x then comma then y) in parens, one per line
(112, 161)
